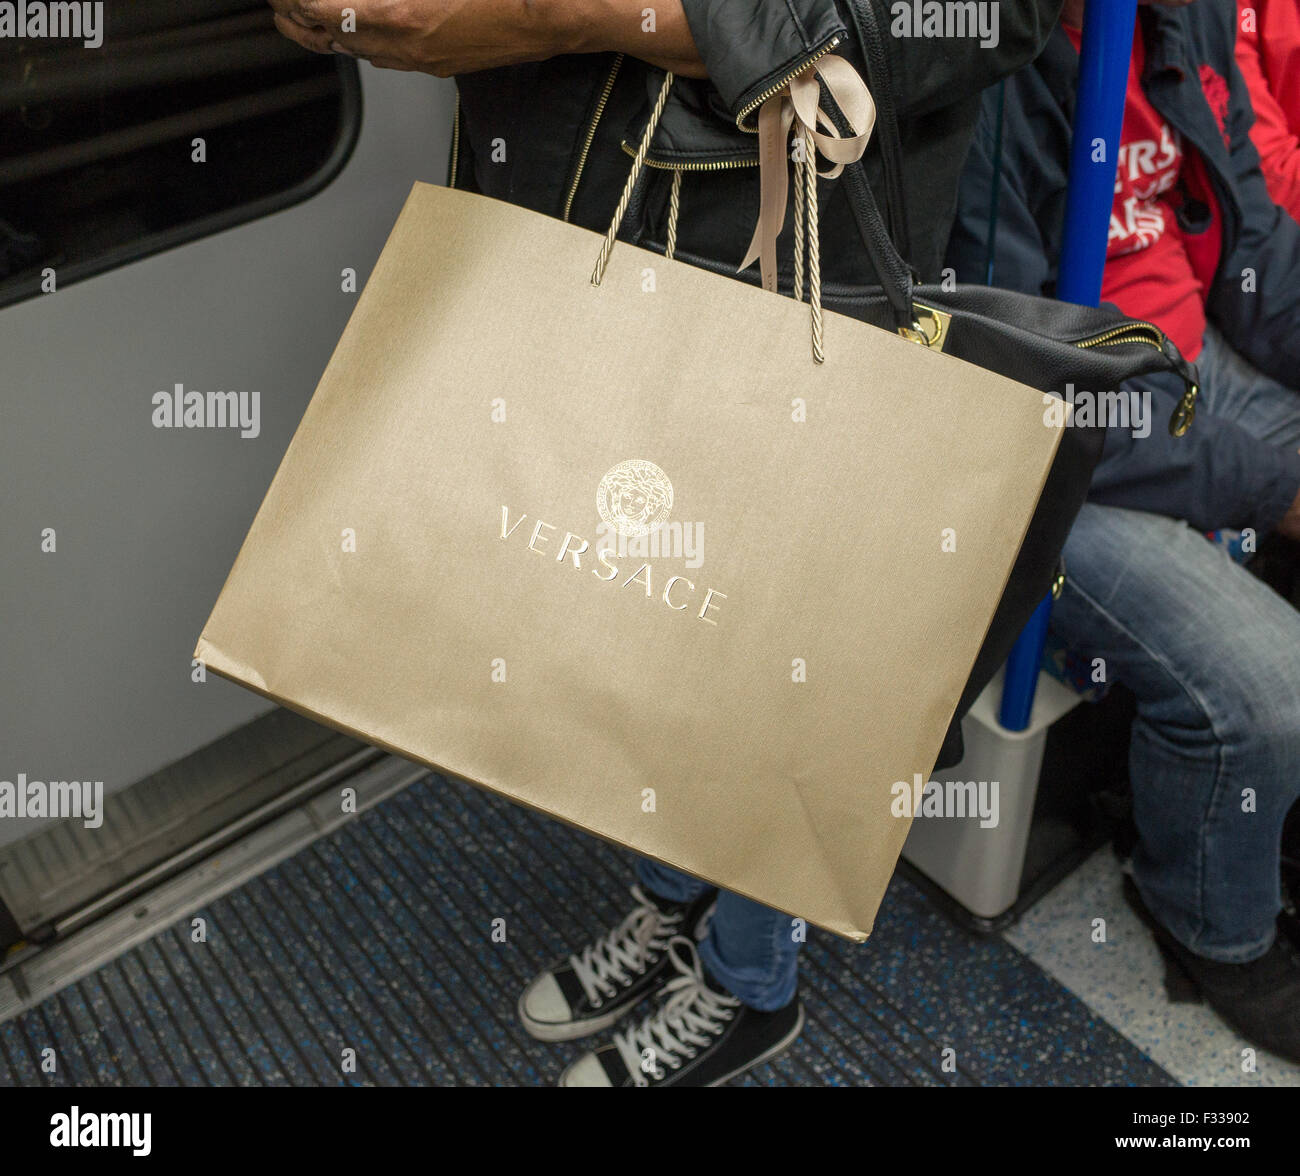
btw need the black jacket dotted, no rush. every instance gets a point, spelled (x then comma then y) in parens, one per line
(563, 125)
(1218, 475)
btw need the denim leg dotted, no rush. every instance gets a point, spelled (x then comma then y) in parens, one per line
(1232, 388)
(1211, 654)
(668, 883)
(751, 950)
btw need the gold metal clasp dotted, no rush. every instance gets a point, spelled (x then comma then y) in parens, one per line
(930, 328)
(1185, 413)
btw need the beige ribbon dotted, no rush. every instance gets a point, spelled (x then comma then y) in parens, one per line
(800, 101)
(797, 101)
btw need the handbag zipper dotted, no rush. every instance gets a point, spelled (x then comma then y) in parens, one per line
(753, 105)
(1150, 335)
(1134, 332)
(591, 133)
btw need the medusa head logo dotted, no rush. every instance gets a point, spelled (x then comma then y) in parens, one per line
(635, 497)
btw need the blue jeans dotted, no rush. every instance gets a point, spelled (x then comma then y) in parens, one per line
(1213, 656)
(751, 950)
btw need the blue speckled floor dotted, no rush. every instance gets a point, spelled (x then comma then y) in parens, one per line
(378, 939)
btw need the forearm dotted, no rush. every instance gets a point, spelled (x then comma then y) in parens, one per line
(658, 34)
(450, 37)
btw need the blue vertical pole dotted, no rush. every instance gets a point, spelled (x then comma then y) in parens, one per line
(1104, 55)
(1103, 78)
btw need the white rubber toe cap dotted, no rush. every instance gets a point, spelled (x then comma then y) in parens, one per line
(543, 1004)
(586, 1071)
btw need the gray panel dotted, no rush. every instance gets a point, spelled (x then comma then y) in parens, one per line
(96, 638)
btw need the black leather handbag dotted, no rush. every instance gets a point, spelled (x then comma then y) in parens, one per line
(1037, 341)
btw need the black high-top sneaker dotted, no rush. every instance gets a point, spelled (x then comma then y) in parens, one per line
(700, 1035)
(1260, 999)
(589, 991)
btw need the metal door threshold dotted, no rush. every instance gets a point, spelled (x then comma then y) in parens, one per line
(65, 871)
(93, 935)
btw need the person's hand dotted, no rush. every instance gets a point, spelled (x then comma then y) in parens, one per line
(449, 37)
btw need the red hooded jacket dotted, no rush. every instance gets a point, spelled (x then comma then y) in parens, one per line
(1268, 55)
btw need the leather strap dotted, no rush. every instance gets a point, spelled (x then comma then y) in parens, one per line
(895, 275)
(867, 25)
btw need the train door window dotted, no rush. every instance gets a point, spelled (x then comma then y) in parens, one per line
(131, 126)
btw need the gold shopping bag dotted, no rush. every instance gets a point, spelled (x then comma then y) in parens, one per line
(623, 554)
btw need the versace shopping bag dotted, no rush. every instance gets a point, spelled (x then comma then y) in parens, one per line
(623, 554)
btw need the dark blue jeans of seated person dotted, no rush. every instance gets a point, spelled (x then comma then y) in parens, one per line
(1213, 655)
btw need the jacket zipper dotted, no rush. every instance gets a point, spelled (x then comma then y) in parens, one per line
(591, 134)
(1150, 335)
(703, 165)
(752, 106)
(455, 143)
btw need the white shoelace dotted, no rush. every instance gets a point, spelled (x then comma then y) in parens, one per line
(690, 1017)
(605, 964)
